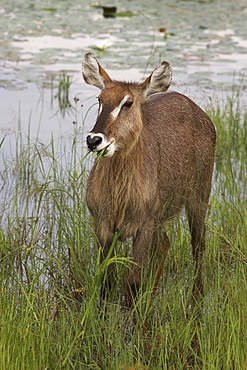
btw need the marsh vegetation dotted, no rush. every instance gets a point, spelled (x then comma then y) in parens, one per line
(50, 272)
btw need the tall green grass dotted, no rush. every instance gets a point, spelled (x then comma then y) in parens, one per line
(50, 311)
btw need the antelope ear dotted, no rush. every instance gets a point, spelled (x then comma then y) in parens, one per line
(159, 80)
(93, 73)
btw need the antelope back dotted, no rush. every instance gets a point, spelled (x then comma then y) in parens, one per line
(120, 115)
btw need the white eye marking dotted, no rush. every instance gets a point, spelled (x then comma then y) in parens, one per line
(100, 109)
(116, 111)
(100, 106)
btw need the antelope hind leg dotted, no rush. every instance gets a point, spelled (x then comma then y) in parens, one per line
(196, 218)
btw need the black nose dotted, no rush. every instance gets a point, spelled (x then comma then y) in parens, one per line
(93, 142)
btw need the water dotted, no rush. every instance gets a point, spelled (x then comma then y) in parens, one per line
(205, 42)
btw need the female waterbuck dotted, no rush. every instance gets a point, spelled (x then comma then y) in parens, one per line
(157, 157)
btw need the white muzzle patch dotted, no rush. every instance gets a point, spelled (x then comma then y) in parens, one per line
(108, 145)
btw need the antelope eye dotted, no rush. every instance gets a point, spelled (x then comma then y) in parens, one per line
(98, 99)
(128, 104)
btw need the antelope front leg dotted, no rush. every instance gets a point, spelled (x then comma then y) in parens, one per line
(162, 247)
(141, 248)
(108, 278)
(149, 253)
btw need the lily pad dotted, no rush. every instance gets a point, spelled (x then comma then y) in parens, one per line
(124, 14)
(49, 9)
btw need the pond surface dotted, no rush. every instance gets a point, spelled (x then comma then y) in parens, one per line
(205, 42)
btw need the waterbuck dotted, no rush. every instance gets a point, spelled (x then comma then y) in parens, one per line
(157, 153)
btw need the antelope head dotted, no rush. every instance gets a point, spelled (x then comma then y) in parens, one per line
(120, 115)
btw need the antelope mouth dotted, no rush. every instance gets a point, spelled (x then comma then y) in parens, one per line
(98, 143)
(107, 151)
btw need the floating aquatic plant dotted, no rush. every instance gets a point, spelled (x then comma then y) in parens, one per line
(102, 45)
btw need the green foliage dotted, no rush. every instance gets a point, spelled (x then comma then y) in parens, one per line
(2, 141)
(62, 94)
(50, 311)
